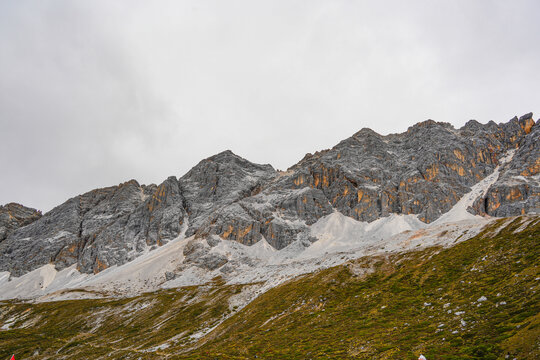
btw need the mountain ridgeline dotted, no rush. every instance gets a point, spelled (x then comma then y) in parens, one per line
(423, 171)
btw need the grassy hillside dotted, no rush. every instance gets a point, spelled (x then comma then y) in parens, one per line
(113, 328)
(476, 300)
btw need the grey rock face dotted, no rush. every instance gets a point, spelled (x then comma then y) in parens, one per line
(150, 216)
(517, 190)
(197, 253)
(37, 244)
(212, 261)
(101, 228)
(423, 171)
(169, 275)
(14, 216)
(219, 181)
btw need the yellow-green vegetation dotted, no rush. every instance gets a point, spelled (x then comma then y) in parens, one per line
(128, 328)
(476, 300)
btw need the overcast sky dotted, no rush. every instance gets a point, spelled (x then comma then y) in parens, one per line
(94, 93)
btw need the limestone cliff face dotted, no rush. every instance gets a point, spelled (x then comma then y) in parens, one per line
(101, 228)
(517, 190)
(14, 216)
(423, 171)
(220, 181)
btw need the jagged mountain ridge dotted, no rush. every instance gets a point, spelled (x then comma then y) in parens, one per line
(423, 171)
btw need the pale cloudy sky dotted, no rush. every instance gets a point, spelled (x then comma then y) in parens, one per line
(94, 93)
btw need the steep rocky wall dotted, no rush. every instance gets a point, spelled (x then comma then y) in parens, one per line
(14, 216)
(423, 171)
(101, 228)
(517, 190)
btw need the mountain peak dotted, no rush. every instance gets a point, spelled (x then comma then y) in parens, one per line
(227, 157)
(367, 132)
(429, 123)
(526, 116)
(224, 155)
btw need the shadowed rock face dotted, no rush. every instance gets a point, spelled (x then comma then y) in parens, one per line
(14, 216)
(423, 171)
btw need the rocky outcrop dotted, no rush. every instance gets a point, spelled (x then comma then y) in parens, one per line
(423, 171)
(152, 216)
(197, 253)
(14, 216)
(101, 228)
(517, 191)
(219, 181)
(215, 191)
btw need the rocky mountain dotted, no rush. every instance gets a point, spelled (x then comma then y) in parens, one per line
(517, 190)
(102, 227)
(14, 216)
(423, 172)
(477, 299)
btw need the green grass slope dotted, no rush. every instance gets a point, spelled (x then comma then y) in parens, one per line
(476, 300)
(128, 328)
(428, 302)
